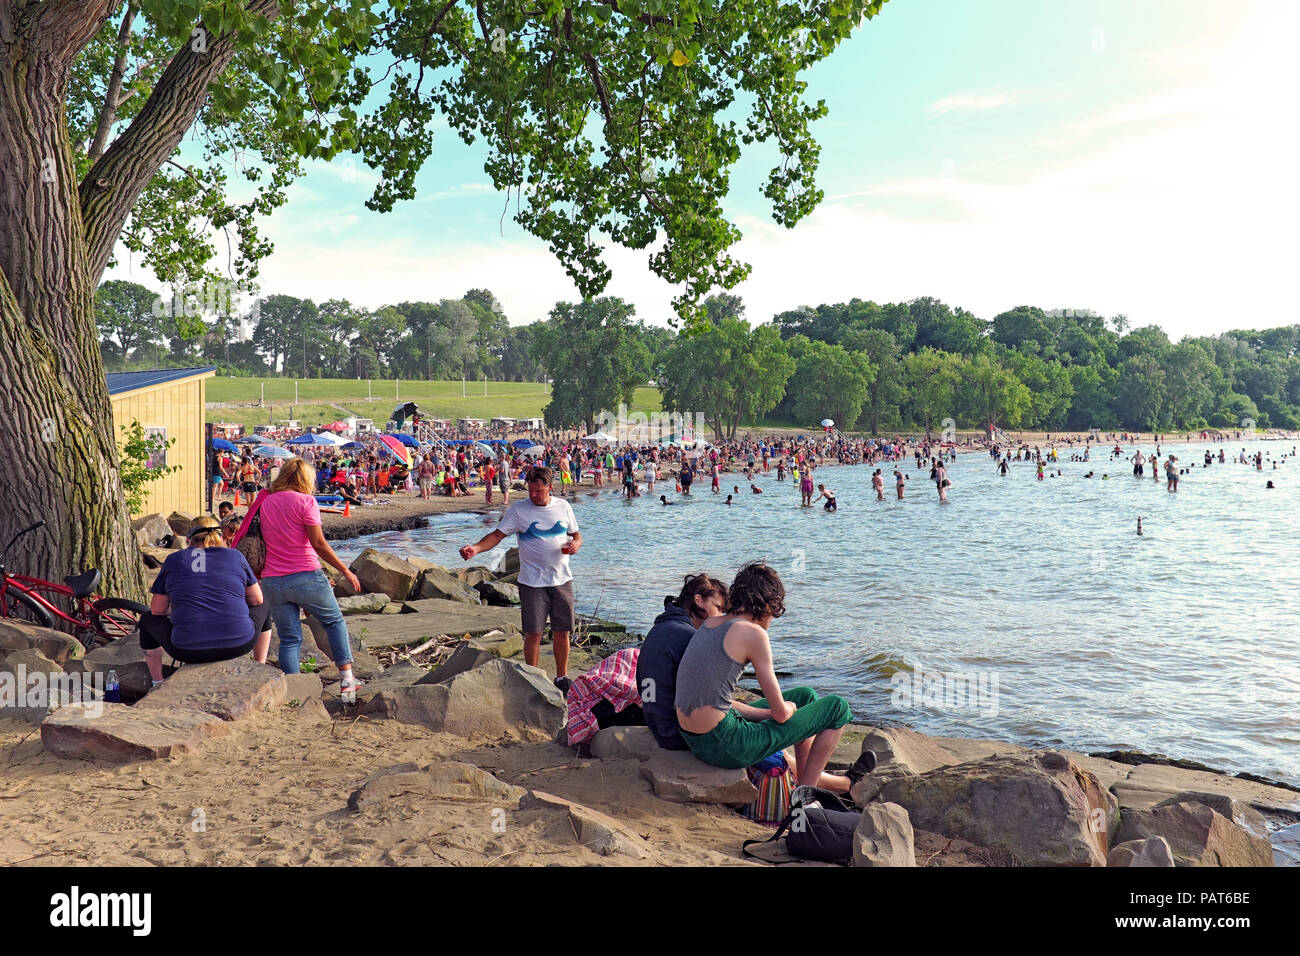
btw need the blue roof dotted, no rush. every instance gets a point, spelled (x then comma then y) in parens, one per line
(131, 381)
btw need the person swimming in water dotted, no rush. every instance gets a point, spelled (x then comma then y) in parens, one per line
(830, 498)
(728, 501)
(665, 502)
(755, 489)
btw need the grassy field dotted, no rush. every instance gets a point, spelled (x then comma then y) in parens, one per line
(318, 398)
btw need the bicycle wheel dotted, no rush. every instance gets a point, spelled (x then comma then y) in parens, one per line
(24, 607)
(116, 618)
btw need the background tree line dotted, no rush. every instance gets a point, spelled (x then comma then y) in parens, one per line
(871, 367)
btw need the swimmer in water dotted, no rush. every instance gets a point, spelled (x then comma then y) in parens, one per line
(728, 501)
(830, 498)
(735, 489)
(755, 489)
(665, 502)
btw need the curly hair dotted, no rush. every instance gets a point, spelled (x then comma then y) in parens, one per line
(756, 591)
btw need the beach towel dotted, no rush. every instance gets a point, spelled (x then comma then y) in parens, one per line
(614, 680)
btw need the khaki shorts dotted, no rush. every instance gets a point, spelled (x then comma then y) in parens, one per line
(539, 603)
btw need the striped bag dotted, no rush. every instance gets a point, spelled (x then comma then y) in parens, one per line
(773, 781)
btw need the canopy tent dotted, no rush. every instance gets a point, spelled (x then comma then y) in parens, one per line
(336, 426)
(353, 445)
(249, 440)
(523, 443)
(536, 451)
(405, 439)
(272, 451)
(599, 436)
(220, 444)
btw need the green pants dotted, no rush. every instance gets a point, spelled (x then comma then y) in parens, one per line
(737, 742)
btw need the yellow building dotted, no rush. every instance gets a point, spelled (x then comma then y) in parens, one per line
(169, 403)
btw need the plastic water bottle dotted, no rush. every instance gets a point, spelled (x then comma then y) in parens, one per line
(112, 690)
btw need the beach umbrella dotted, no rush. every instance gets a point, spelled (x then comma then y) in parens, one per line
(482, 450)
(535, 451)
(353, 445)
(523, 443)
(397, 447)
(601, 437)
(249, 440)
(827, 423)
(220, 444)
(310, 439)
(272, 451)
(408, 440)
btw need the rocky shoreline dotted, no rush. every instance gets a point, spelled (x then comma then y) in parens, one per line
(456, 754)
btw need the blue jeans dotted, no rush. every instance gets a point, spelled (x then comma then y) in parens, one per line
(307, 591)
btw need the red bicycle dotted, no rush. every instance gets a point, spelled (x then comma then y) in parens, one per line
(93, 621)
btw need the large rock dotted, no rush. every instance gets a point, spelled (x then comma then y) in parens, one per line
(681, 777)
(302, 686)
(1197, 834)
(384, 573)
(1152, 852)
(624, 743)
(499, 698)
(180, 523)
(595, 830)
(1286, 846)
(448, 780)
(127, 658)
(498, 593)
(400, 675)
(436, 582)
(906, 750)
(511, 564)
(21, 636)
(471, 654)
(364, 604)
(155, 558)
(1043, 807)
(1148, 784)
(364, 664)
(150, 529)
(32, 685)
(884, 837)
(473, 576)
(231, 690)
(120, 733)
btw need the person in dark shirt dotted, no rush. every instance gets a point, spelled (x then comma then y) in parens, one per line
(656, 672)
(207, 605)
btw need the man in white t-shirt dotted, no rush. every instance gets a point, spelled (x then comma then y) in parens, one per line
(548, 533)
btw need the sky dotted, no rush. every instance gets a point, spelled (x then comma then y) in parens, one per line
(1132, 157)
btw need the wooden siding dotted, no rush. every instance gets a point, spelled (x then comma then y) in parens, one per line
(179, 407)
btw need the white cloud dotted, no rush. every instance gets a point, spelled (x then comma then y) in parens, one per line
(969, 101)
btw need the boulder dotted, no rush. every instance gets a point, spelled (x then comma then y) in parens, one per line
(1286, 846)
(436, 582)
(180, 522)
(624, 743)
(338, 582)
(154, 556)
(898, 748)
(469, 655)
(497, 699)
(447, 780)
(231, 690)
(21, 636)
(884, 837)
(511, 564)
(1042, 807)
(596, 831)
(424, 619)
(399, 675)
(127, 658)
(364, 603)
(32, 685)
(150, 529)
(1243, 815)
(498, 593)
(119, 733)
(473, 576)
(1152, 852)
(1197, 834)
(681, 777)
(302, 686)
(383, 573)
(313, 711)
(364, 664)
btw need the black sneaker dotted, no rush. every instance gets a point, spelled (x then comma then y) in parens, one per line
(564, 683)
(865, 763)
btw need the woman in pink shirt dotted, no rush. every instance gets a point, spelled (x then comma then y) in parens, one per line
(292, 581)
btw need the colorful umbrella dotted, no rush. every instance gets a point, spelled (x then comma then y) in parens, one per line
(272, 451)
(397, 448)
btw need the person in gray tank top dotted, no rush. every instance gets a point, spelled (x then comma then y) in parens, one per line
(727, 733)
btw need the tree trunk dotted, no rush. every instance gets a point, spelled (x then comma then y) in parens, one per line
(56, 421)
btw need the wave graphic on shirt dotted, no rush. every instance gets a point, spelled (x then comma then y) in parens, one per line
(554, 531)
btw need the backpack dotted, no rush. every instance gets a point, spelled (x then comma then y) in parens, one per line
(773, 780)
(819, 829)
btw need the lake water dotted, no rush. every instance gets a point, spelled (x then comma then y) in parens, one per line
(1022, 610)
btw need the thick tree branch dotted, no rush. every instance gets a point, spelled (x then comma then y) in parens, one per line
(113, 184)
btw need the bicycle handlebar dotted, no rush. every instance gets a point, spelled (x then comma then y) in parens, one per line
(29, 530)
